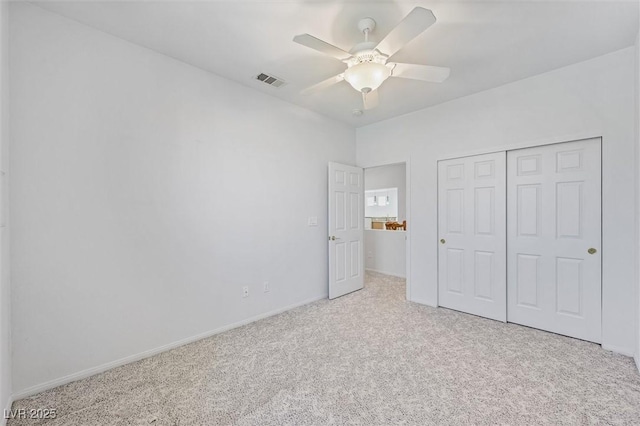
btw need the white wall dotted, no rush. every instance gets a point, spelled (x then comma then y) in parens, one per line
(391, 176)
(593, 98)
(146, 193)
(5, 296)
(385, 252)
(637, 179)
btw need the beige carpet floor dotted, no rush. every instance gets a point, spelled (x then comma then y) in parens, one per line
(369, 358)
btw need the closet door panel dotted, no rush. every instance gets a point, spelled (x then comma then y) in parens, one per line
(472, 240)
(554, 236)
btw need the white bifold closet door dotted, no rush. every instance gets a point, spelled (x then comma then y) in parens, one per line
(554, 237)
(472, 246)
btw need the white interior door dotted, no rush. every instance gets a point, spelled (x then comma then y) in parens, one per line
(554, 226)
(471, 224)
(346, 229)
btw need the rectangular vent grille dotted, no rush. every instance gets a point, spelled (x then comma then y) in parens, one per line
(270, 80)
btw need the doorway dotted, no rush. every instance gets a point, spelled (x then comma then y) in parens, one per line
(386, 219)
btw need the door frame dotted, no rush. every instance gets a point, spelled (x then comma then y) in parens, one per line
(524, 145)
(407, 163)
(520, 145)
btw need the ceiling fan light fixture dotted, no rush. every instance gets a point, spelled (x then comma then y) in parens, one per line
(366, 75)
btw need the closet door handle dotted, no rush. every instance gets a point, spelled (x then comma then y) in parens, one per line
(592, 251)
(442, 241)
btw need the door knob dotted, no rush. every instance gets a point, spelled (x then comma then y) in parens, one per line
(332, 238)
(592, 251)
(442, 241)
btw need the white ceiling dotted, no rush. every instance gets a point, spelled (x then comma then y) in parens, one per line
(485, 43)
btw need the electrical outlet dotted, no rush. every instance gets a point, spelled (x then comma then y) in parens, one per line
(312, 221)
(245, 291)
(266, 286)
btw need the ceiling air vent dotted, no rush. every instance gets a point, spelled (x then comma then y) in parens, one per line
(270, 80)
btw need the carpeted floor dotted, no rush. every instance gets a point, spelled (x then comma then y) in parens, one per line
(369, 358)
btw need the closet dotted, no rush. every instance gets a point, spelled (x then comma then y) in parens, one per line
(520, 236)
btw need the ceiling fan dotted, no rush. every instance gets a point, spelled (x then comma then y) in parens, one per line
(367, 66)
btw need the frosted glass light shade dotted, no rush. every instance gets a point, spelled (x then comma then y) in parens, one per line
(366, 75)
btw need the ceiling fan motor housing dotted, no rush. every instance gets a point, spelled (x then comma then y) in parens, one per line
(366, 52)
(366, 68)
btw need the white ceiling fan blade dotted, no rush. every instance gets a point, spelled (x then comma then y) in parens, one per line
(321, 46)
(323, 84)
(421, 72)
(370, 100)
(418, 20)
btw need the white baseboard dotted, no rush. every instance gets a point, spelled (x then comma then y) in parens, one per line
(3, 421)
(618, 350)
(146, 354)
(424, 302)
(386, 273)
(637, 359)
